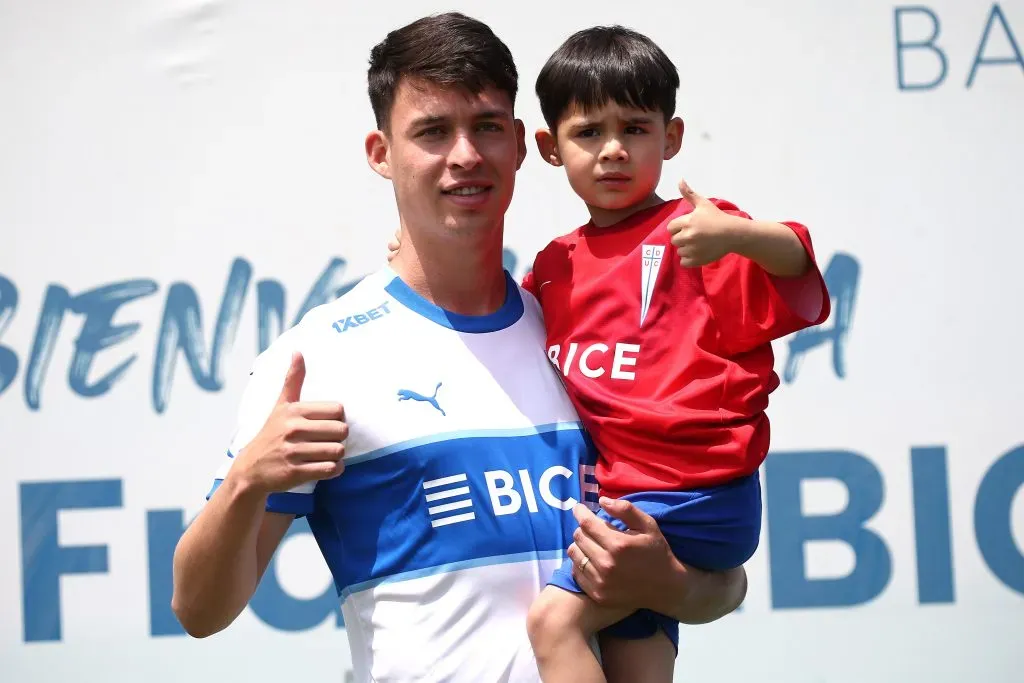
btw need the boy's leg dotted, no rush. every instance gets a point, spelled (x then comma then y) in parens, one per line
(561, 625)
(650, 660)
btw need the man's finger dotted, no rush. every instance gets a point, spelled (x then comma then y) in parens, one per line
(592, 526)
(321, 410)
(320, 451)
(582, 578)
(293, 380)
(688, 194)
(633, 517)
(323, 470)
(321, 430)
(589, 547)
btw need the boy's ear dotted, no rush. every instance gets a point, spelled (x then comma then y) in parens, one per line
(673, 137)
(547, 147)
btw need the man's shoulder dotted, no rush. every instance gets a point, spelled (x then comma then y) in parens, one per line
(366, 302)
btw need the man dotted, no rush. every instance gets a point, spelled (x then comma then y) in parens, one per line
(429, 385)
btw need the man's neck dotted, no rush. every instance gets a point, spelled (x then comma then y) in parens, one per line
(461, 276)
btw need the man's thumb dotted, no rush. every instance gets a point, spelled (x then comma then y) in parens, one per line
(293, 380)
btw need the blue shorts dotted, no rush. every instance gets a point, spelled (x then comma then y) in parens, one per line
(712, 529)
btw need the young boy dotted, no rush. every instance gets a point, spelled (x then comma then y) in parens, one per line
(669, 363)
(667, 357)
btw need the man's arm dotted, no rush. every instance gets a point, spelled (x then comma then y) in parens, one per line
(637, 569)
(222, 556)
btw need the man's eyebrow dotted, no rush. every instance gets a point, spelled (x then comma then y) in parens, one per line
(429, 120)
(493, 114)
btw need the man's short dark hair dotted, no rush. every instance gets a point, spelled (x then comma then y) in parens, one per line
(446, 49)
(607, 63)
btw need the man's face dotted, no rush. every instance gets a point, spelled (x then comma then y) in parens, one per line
(452, 156)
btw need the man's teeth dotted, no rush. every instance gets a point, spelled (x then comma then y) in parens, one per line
(467, 190)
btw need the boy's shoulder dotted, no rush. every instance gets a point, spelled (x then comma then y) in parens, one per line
(557, 253)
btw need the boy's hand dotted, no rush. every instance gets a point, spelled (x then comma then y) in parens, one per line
(393, 244)
(704, 235)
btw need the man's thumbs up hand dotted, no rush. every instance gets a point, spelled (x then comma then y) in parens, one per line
(300, 442)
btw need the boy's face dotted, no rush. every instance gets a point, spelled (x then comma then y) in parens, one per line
(612, 156)
(451, 155)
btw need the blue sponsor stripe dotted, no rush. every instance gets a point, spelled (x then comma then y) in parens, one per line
(513, 496)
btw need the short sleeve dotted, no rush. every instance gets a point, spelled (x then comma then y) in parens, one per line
(753, 307)
(258, 401)
(529, 283)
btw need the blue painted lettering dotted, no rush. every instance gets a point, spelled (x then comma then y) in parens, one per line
(44, 560)
(8, 358)
(992, 523)
(842, 277)
(789, 529)
(995, 15)
(928, 44)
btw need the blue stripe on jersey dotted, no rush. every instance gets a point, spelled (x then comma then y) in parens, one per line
(511, 310)
(444, 504)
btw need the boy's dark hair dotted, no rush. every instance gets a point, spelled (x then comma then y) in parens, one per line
(447, 49)
(605, 63)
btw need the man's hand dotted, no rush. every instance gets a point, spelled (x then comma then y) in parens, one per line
(394, 244)
(704, 235)
(300, 442)
(619, 567)
(636, 569)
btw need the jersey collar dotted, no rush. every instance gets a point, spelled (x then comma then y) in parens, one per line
(506, 316)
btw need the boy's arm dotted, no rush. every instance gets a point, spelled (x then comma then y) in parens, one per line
(709, 233)
(773, 246)
(760, 278)
(636, 569)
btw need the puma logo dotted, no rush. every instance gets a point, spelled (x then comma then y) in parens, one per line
(409, 395)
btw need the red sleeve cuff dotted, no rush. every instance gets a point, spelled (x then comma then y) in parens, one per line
(806, 296)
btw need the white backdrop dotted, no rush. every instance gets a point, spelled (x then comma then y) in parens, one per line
(178, 174)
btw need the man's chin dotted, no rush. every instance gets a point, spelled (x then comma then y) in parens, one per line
(465, 223)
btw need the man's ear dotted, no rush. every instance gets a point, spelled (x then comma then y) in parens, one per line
(547, 146)
(378, 153)
(520, 143)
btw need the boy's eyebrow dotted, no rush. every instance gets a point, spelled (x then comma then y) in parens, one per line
(588, 122)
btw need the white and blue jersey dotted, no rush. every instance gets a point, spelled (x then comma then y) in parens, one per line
(463, 462)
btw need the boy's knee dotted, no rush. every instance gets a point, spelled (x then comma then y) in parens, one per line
(549, 617)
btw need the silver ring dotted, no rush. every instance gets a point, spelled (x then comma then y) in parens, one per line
(584, 563)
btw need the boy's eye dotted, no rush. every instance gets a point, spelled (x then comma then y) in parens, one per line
(635, 130)
(433, 131)
(491, 127)
(587, 133)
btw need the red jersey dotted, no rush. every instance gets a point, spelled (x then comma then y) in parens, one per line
(669, 367)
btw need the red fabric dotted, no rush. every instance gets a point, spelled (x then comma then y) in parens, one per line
(677, 402)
